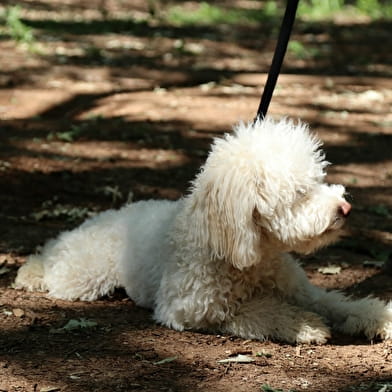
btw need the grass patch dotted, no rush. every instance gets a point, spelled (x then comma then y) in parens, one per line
(16, 28)
(301, 51)
(84, 27)
(328, 9)
(376, 9)
(208, 14)
(68, 136)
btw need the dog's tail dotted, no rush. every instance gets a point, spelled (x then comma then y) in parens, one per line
(31, 275)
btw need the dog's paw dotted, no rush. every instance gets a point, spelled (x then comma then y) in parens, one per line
(376, 323)
(303, 327)
(311, 334)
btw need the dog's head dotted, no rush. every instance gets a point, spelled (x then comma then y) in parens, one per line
(262, 190)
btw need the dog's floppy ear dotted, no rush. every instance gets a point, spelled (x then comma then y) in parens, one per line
(223, 203)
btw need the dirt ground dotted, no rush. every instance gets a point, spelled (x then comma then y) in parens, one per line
(107, 110)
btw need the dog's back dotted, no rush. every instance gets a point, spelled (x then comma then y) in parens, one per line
(116, 248)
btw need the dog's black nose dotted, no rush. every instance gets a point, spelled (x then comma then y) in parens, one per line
(345, 208)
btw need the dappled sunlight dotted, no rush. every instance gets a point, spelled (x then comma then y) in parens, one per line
(120, 349)
(195, 107)
(374, 101)
(96, 151)
(108, 102)
(363, 175)
(32, 102)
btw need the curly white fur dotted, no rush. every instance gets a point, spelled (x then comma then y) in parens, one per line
(218, 259)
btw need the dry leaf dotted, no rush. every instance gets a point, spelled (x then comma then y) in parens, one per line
(240, 358)
(330, 270)
(18, 312)
(4, 270)
(373, 263)
(232, 353)
(165, 360)
(50, 389)
(72, 324)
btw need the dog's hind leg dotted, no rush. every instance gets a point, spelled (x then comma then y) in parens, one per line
(78, 264)
(31, 275)
(270, 318)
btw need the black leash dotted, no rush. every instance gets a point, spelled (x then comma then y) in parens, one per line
(280, 50)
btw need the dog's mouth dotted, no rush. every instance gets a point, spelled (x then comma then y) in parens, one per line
(340, 217)
(337, 223)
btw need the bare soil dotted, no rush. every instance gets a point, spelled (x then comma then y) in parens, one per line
(107, 111)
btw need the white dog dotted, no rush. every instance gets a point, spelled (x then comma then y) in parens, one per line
(218, 260)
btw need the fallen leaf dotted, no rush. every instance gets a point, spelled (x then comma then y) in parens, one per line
(384, 388)
(232, 353)
(330, 270)
(72, 324)
(373, 263)
(267, 388)
(240, 358)
(4, 270)
(50, 389)
(165, 360)
(18, 312)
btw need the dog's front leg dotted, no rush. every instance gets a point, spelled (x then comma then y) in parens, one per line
(270, 318)
(370, 316)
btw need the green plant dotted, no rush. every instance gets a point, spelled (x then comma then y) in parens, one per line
(18, 30)
(208, 14)
(302, 52)
(374, 8)
(325, 9)
(67, 136)
(319, 9)
(204, 14)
